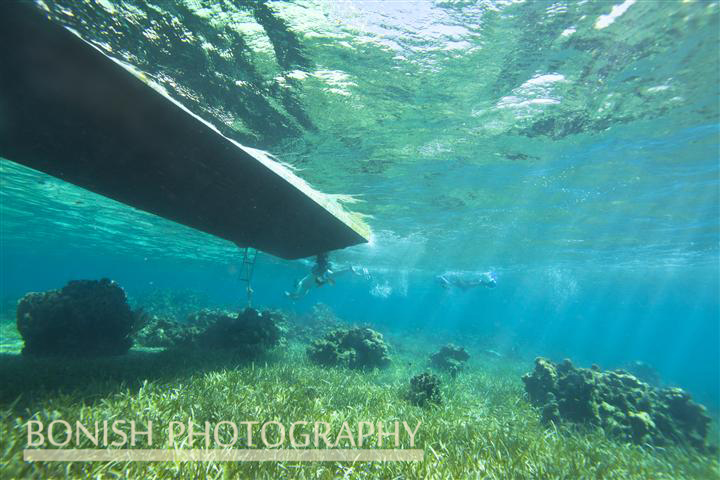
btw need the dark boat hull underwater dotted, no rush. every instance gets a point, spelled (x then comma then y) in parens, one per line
(71, 111)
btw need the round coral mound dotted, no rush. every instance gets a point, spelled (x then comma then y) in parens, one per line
(354, 348)
(84, 318)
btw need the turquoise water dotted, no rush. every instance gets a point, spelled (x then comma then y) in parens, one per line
(570, 147)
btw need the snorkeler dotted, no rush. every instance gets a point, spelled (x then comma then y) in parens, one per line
(323, 273)
(466, 281)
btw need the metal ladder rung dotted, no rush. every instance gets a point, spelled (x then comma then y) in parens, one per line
(246, 271)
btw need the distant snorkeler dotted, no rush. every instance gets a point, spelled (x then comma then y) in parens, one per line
(323, 273)
(466, 281)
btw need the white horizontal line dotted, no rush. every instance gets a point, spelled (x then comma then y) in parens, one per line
(223, 455)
